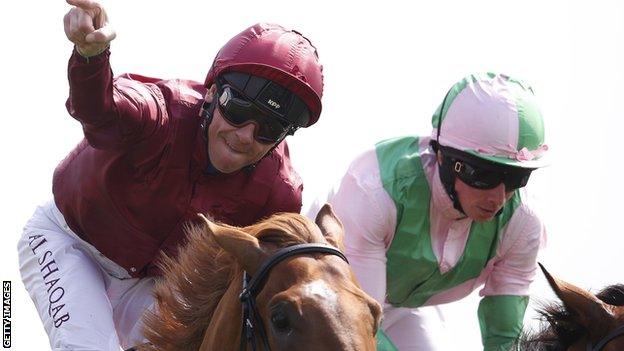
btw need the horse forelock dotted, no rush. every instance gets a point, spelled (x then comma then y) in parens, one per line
(560, 327)
(189, 292)
(286, 229)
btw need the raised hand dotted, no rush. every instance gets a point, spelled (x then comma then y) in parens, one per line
(86, 25)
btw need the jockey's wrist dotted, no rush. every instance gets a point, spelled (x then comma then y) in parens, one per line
(87, 54)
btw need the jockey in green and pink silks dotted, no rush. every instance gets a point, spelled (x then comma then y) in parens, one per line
(428, 220)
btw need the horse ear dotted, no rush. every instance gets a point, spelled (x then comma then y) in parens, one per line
(330, 226)
(244, 247)
(593, 313)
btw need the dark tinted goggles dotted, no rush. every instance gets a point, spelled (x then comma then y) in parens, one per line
(487, 179)
(482, 174)
(238, 111)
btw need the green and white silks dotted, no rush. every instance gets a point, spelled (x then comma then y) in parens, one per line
(410, 248)
(413, 275)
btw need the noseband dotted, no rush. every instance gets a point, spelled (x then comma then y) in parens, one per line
(251, 288)
(617, 332)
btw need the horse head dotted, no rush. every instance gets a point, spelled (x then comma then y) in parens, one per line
(599, 325)
(306, 301)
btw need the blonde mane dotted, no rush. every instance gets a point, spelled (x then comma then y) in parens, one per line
(193, 283)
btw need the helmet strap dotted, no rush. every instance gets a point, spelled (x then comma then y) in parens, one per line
(207, 112)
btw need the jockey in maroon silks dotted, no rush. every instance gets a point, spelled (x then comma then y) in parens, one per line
(155, 153)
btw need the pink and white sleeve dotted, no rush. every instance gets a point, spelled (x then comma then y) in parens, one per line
(369, 218)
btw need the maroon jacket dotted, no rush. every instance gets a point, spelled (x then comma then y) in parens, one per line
(138, 176)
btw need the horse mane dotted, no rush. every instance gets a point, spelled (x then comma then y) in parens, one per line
(560, 328)
(193, 283)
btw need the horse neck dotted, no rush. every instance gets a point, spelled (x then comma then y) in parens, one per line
(223, 332)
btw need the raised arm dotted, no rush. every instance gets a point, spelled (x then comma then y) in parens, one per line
(114, 113)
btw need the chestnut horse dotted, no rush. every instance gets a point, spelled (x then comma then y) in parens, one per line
(584, 322)
(309, 301)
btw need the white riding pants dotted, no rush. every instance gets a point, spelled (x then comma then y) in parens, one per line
(415, 329)
(85, 300)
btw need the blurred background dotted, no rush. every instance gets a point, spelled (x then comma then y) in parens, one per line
(387, 65)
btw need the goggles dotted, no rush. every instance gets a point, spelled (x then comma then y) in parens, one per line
(482, 174)
(268, 95)
(238, 111)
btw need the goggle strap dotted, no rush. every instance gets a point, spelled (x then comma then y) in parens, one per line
(207, 111)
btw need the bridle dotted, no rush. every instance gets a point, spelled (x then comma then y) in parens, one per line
(251, 288)
(617, 332)
(253, 285)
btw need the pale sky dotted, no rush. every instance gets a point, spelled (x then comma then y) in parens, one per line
(387, 66)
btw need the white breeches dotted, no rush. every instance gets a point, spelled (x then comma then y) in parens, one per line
(85, 300)
(415, 329)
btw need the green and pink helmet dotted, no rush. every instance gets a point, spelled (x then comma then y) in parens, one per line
(493, 117)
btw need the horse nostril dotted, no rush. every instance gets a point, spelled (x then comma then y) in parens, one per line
(280, 321)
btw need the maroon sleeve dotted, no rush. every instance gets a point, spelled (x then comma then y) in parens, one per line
(114, 113)
(286, 193)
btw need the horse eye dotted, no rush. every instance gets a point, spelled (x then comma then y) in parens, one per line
(280, 321)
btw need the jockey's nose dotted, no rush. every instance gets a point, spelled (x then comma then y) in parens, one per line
(497, 195)
(245, 134)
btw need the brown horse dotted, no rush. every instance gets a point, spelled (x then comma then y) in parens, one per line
(585, 322)
(310, 301)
